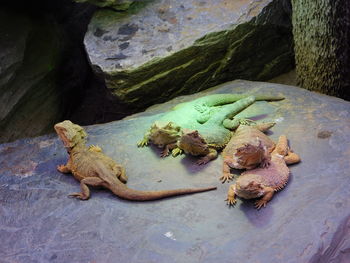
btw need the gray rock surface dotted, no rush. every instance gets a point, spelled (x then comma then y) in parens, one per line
(161, 49)
(43, 65)
(29, 57)
(308, 221)
(119, 5)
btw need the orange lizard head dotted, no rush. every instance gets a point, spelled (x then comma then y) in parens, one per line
(248, 188)
(248, 156)
(70, 134)
(193, 143)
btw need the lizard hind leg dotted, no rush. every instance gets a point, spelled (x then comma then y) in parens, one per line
(85, 191)
(291, 158)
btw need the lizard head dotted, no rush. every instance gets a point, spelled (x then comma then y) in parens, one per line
(193, 143)
(70, 134)
(249, 155)
(163, 133)
(248, 189)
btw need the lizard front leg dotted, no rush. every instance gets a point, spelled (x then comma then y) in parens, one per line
(210, 156)
(145, 140)
(95, 148)
(65, 168)
(269, 192)
(231, 201)
(85, 191)
(167, 149)
(121, 174)
(291, 158)
(226, 170)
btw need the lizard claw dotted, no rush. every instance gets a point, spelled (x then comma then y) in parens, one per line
(142, 143)
(201, 107)
(79, 196)
(60, 168)
(265, 163)
(175, 152)
(246, 121)
(164, 153)
(202, 161)
(230, 201)
(95, 148)
(260, 203)
(226, 177)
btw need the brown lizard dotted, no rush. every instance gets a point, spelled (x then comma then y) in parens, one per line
(247, 148)
(93, 168)
(264, 182)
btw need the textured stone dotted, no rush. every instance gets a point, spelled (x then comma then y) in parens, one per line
(119, 5)
(306, 222)
(29, 52)
(43, 67)
(162, 49)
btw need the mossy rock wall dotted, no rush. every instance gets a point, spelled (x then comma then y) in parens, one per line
(322, 45)
(119, 5)
(161, 49)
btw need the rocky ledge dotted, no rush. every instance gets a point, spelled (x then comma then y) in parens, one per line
(308, 221)
(161, 49)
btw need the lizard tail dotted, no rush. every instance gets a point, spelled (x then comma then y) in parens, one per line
(269, 97)
(135, 195)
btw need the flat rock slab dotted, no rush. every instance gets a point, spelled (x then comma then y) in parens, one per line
(309, 221)
(161, 49)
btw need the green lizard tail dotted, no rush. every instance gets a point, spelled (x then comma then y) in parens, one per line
(230, 110)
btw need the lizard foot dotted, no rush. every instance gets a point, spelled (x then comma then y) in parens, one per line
(201, 107)
(230, 201)
(142, 143)
(63, 169)
(265, 163)
(95, 148)
(175, 152)
(164, 153)
(227, 177)
(79, 196)
(202, 161)
(260, 203)
(246, 122)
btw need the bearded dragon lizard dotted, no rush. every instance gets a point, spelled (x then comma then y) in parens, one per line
(213, 135)
(166, 131)
(93, 168)
(264, 182)
(247, 148)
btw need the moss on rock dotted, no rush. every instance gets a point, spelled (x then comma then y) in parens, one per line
(166, 50)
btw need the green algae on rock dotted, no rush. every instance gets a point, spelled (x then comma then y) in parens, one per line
(169, 48)
(119, 5)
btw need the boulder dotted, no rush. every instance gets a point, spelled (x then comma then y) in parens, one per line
(29, 56)
(119, 5)
(161, 49)
(43, 67)
(308, 221)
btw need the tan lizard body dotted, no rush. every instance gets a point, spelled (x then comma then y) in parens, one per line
(93, 168)
(264, 182)
(247, 148)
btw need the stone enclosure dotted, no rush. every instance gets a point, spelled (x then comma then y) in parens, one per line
(308, 221)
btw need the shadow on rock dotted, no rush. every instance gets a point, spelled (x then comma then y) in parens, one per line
(190, 163)
(259, 218)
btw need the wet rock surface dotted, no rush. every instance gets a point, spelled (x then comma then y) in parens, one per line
(161, 49)
(308, 221)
